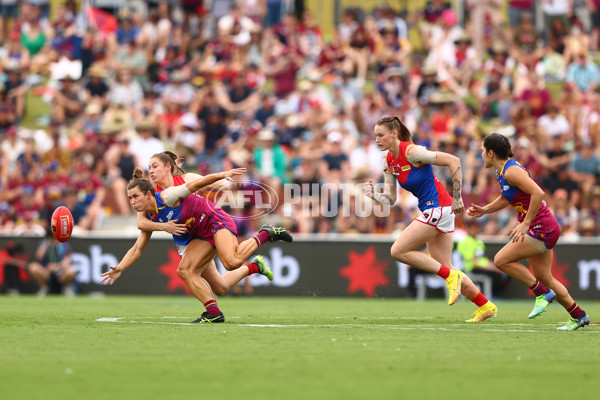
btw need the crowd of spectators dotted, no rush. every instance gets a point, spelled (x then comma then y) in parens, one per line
(258, 84)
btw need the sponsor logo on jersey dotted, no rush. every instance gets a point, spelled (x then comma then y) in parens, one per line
(395, 170)
(405, 168)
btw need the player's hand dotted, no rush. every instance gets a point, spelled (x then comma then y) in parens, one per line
(174, 228)
(234, 172)
(519, 232)
(368, 189)
(109, 277)
(475, 211)
(458, 206)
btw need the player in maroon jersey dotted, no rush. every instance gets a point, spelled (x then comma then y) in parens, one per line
(534, 237)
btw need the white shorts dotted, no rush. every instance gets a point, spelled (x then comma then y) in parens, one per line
(181, 249)
(441, 218)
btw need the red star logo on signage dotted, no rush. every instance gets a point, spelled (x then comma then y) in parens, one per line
(170, 271)
(559, 270)
(365, 272)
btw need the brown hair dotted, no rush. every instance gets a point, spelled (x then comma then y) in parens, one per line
(394, 123)
(168, 157)
(499, 144)
(138, 180)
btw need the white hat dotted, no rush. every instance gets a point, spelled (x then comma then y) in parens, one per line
(266, 134)
(190, 120)
(334, 137)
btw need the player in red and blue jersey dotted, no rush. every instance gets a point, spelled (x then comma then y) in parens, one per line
(410, 166)
(211, 226)
(535, 236)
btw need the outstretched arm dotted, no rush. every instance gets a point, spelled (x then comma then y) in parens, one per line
(172, 195)
(130, 258)
(476, 211)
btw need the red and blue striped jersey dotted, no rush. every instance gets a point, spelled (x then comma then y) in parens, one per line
(420, 181)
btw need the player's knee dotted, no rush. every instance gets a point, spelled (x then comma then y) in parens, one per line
(219, 290)
(231, 263)
(499, 262)
(398, 253)
(184, 273)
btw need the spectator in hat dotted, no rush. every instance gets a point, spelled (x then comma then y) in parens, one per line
(96, 89)
(335, 167)
(15, 89)
(146, 145)
(126, 91)
(466, 60)
(428, 85)
(69, 102)
(188, 138)
(127, 31)
(178, 90)
(270, 160)
(89, 123)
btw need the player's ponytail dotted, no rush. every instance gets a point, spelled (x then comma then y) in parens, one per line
(170, 158)
(138, 180)
(394, 123)
(499, 144)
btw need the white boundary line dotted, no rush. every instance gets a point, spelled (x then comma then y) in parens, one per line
(447, 327)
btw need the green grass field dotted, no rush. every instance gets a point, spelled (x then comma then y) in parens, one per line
(290, 348)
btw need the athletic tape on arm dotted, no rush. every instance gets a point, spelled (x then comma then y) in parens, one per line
(190, 176)
(171, 195)
(421, 155)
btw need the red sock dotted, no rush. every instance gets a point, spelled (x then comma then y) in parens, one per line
(575, 311)
(538, 288)
(480, 300)
(444, 272)
(261, 237)
(252, 268)
(212, 307)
